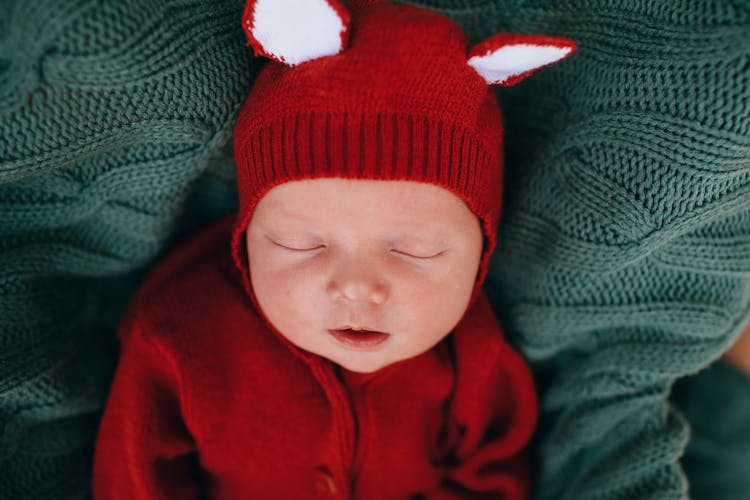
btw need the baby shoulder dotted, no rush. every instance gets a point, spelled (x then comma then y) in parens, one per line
(194, 295)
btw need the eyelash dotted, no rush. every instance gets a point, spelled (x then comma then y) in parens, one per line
(421, 257)
(299, 249)
(406, 254)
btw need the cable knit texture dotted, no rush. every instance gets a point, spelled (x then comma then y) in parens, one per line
(624, 253)
(115, 132)
(715, 403)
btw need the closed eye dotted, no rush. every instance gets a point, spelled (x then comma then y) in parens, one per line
(296, 248)
(418, 256)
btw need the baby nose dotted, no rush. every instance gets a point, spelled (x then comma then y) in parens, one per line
(358, 285)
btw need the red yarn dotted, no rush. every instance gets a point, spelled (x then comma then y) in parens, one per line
(399, 103)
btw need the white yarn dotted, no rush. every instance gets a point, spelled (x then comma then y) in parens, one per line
(511, 60)
(295, 31)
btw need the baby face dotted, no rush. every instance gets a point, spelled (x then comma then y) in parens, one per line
(363, 273)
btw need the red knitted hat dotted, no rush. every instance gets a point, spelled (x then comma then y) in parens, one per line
(377, 91)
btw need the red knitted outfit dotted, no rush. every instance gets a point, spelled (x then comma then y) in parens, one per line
(209, 399)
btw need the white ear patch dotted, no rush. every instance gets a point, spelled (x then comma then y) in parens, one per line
(295, 31)
(507, 59)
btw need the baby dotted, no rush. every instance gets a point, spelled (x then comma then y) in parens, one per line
(332, 338)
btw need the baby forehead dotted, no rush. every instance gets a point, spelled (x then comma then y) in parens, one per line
(365, 206)
(360, 196)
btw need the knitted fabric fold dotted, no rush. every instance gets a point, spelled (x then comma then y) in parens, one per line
(624, 252)
(622, 263)
(715, 403)
(115, 121)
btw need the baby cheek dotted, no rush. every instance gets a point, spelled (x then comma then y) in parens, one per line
(452, 295)
(422, 293)
(271, 283)
(286, 302)
(451, 278)
(286, 286)
(299, 288)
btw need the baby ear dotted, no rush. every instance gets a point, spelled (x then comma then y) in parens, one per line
(506, 59)
(295, 31)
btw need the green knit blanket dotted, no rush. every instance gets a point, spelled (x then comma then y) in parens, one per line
(115, 132)
(624, 260)
(624, 255)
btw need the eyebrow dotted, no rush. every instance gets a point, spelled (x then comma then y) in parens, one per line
(290, 215)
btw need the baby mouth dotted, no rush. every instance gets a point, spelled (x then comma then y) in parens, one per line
(359, 339)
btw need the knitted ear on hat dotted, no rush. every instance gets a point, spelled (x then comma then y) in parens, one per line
(295, 31)
(506, 59)
(402, 100)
